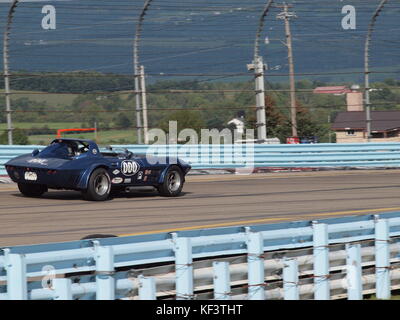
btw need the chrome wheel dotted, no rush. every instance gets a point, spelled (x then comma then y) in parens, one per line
(174, 181)
(101, 184)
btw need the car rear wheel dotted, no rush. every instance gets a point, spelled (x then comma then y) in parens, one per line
(173, 182)
(32, 190)
(99, 186)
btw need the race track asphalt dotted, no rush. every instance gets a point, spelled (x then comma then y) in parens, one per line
(207, 201)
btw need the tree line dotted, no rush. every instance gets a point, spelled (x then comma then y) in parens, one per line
(99, 98)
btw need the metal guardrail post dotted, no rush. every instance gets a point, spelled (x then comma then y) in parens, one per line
(382, 256)
(291, 279)
(62, 288)
(183, 268)
(354, 272)
(255, 260)
(321, 261)
(105, 282)
(222, 280)
(16, 276)
(147, 288)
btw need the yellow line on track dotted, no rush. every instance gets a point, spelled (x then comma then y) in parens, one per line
(277, 219)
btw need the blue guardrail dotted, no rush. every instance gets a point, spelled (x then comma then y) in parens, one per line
(87, 269)
(259, 156)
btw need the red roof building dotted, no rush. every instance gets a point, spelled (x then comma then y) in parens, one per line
(350, 126)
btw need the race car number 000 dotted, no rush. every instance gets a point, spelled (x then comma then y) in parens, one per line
(129, 168)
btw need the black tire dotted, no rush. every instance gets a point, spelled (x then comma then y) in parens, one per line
(173, 182)
(99, 186)
(32, 190)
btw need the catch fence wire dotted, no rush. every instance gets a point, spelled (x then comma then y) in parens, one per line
(184, 36)
(199, 41)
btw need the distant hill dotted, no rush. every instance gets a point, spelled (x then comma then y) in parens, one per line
(212, 38)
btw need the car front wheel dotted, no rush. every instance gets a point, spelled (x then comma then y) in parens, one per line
(99, 186)
(173, 182)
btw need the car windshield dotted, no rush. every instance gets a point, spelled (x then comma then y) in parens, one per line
(64, 149)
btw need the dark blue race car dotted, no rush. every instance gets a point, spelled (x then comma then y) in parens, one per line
(79, 165)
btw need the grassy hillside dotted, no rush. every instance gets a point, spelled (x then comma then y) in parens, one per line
(51, 99)
(103, 137)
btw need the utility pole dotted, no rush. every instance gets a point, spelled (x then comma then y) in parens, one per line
(144, 105)
(95, 132)
(258, 66)
(138, 109)
(366, 68)
(137, 73)
(286, 16)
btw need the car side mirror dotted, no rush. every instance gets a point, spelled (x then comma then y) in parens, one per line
(35, 152)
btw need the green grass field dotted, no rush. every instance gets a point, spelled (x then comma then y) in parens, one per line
(50, 125)
(103, 137)
(51, 99)
(65, 100)
(54, 99)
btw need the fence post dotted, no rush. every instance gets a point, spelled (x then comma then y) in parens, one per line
(382, 258)
(105, 282)
(255, 260)
(183, 269)
(291, 279)
(222, 280)
(354, 272)
(147, 288)
(321, 261)
(16, 276)
(62, 289)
